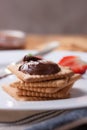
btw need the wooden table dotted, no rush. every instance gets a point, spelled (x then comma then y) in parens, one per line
(67, 42)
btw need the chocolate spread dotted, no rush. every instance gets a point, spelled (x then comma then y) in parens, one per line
(37, 66)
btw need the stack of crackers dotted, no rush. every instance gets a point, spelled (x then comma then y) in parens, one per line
(41, 87)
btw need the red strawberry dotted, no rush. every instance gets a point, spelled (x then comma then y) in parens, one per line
(75, 63)
(78, 68)
(67, 60)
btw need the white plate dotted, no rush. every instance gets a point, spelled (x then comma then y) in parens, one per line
(78, 97)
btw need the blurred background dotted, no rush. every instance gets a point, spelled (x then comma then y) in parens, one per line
(44, 16)
(43, 21)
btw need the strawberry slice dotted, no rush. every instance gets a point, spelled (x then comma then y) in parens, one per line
(67, 60)
(78, 68)
(75, 63)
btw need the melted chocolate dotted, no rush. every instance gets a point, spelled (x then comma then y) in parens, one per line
(39, 67)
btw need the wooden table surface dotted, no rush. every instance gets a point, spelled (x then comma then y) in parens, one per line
(67, 42)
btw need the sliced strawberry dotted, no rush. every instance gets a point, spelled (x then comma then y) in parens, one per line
(75, 63)
(85, 66)
(78, 69)
(67, 60)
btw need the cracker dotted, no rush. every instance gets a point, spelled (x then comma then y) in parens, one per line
(58, 94)
(12, 92)
(41, 90)
(46, 87)
(65, 72)
(45, 84)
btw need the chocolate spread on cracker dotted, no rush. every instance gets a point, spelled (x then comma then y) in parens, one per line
(37, 66)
